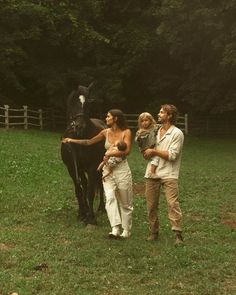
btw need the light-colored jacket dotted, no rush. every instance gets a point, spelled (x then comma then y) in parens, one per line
(172, 142)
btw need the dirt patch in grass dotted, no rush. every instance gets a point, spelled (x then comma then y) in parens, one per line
(196, 217)
(5, 247)
(230, 223)
(229, 219)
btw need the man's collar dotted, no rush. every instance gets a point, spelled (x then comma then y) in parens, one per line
(170, 129)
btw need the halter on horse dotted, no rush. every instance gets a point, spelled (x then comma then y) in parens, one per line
(82, 161)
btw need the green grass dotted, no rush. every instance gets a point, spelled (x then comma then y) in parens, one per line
(44, 250)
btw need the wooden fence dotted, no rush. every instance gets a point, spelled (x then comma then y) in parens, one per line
(56, 119)
(26, 118)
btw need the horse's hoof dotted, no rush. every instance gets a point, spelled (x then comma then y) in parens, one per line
(94, 223)
(91, 226)
(91, 221)
(81, 218)
(101, 209)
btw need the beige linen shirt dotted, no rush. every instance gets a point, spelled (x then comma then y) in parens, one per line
(172, 142)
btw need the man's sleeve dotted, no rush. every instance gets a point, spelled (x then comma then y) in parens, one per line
(176, 146)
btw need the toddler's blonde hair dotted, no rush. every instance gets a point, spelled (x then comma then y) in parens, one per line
(143, 116)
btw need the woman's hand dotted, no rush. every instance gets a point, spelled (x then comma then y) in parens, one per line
(109, 154)
(66, 140)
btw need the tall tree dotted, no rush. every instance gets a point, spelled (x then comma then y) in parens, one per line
(46, 46)
(140, 52)
(200, 36)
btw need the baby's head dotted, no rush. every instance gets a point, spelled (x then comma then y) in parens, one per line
(121, 145)
(146, 121)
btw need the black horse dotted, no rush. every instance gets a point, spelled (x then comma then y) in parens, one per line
(82, 161)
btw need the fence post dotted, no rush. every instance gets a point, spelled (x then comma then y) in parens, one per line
(41, 119)
(53, 119)
(25, 117)
(6, 114)
(186, 124)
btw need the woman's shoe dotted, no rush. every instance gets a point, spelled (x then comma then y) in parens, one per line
(126, 234)
(115, 233)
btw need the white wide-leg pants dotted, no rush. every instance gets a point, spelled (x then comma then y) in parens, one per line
(119, 195)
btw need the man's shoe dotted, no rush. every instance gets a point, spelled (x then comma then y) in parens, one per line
(152, 237)
(178, 238)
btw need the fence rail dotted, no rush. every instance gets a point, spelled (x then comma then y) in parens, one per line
(56, 119)
(26, 117)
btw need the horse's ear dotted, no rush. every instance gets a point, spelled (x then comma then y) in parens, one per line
(91, 85)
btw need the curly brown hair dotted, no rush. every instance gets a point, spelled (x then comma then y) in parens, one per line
(171, 111)
(120, 118)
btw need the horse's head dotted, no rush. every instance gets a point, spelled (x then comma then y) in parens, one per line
(78, 109)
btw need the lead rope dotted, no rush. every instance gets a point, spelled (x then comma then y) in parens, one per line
(74, 161)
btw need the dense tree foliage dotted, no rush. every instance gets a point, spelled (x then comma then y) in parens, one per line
(140, 52)
(201, 37)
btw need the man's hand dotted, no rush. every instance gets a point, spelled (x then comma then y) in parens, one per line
(148, 153)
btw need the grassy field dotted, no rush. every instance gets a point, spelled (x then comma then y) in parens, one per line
(45, 251)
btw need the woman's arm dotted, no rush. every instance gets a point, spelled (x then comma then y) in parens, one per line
(91, 141)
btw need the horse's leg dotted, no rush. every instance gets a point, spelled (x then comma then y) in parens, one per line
(79, 193)
(90, 197)
(83, 206)
(69, 160)
(84, 184)
(100, 191)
